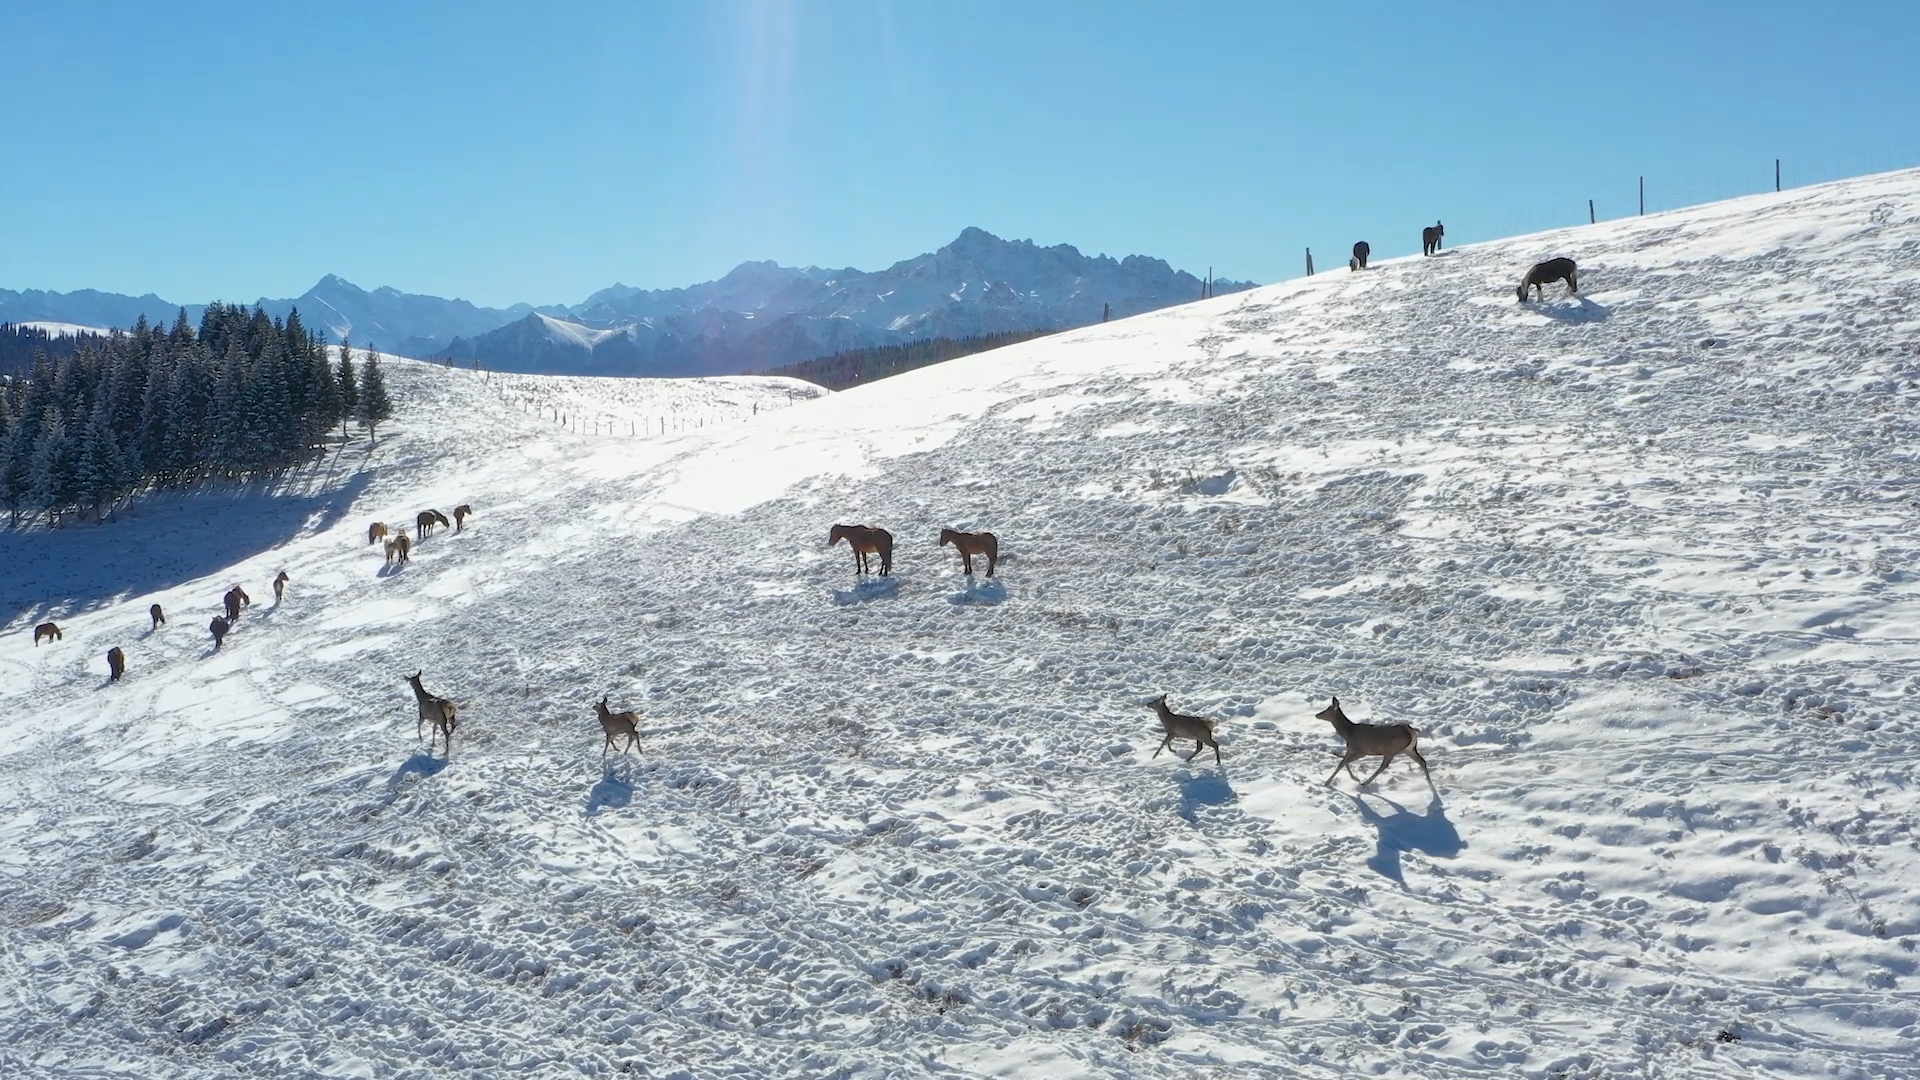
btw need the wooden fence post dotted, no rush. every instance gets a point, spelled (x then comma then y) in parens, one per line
(1590, 218)
(1643, 196)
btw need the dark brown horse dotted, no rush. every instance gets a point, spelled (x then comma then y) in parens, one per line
(1430, 238)
(865, 540)
(235, 599)
(971, 544)
(280, 586)
(157, 616)
(1360, 252)
(116, 663)
(45, 630)
(1545, 273)
(425, 520)
(219, 628)
(460, 515)
(376, 532)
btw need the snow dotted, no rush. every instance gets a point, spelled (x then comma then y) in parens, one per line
(1639, 565)
(62, 329)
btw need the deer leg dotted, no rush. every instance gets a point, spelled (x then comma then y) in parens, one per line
(1344, 762)
(1215, 743)
(1164, 743)
(1423, 767)
(1385, 760)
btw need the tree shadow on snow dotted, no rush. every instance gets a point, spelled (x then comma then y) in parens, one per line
(160, 542)
(615, 789)
(1430, 834)
(870, 589)
(992, 592)
(1198, 789)
(1582, 310)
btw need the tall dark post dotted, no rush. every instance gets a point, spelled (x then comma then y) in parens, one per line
(1105, 310)
(1590, 218)
(1776, 174)
(1309, 262)
(1643, 196)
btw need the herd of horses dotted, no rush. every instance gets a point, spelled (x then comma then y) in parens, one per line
(1541, 275)
(400, 549)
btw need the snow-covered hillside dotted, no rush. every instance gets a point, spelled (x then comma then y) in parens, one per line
(1641, 566)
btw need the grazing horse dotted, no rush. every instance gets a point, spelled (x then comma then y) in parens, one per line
(45, 630)
(865, 541)
(280, 586)
(424, 522)
(236, 598)
(398, 549)
(1360, 252)
(1546, 273)
(116, 663)
(219, 627)
(434, 709)
(971, 544)
(460, 514)
(1430, 238)
(157, 616)
(376, 532)
(617, 723)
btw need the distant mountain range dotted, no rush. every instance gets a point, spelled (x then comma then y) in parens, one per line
(760, 315)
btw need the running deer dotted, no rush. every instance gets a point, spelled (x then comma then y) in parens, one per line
(438, 711)
(1197, 728)
(1383, 741)
(617, 723)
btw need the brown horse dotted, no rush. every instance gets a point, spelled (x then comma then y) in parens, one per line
(376, 532)
(434, 709)
(280, 586)
(235, 599)
(617, 723)
(425, 520)
(45, 630)
(157, 616)
(219, 627)
(460, 514)
(971, 544)
(865, 541)
(116, 663)
(1430, 238)
(399, 549)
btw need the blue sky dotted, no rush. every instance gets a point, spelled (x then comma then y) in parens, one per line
(536, 153)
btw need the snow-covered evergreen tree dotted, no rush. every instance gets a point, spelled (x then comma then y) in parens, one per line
(375, 406)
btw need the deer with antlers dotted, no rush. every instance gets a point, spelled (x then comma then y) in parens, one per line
(1383, 741)
(435, 710)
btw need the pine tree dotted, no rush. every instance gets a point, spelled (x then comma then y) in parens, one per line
(53, 485)
(16, 467)
(97, 466)
(349, 382)
(375, 406)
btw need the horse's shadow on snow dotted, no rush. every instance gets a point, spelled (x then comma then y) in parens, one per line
(1430, 833)
(992, 592)
(1582, 310)
(614, 791)
(870, 589)
(1198, 789)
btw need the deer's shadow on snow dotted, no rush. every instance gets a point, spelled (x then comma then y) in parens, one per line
(1198, 788)
(614, 790)
(1430, 834)
(420, 764)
